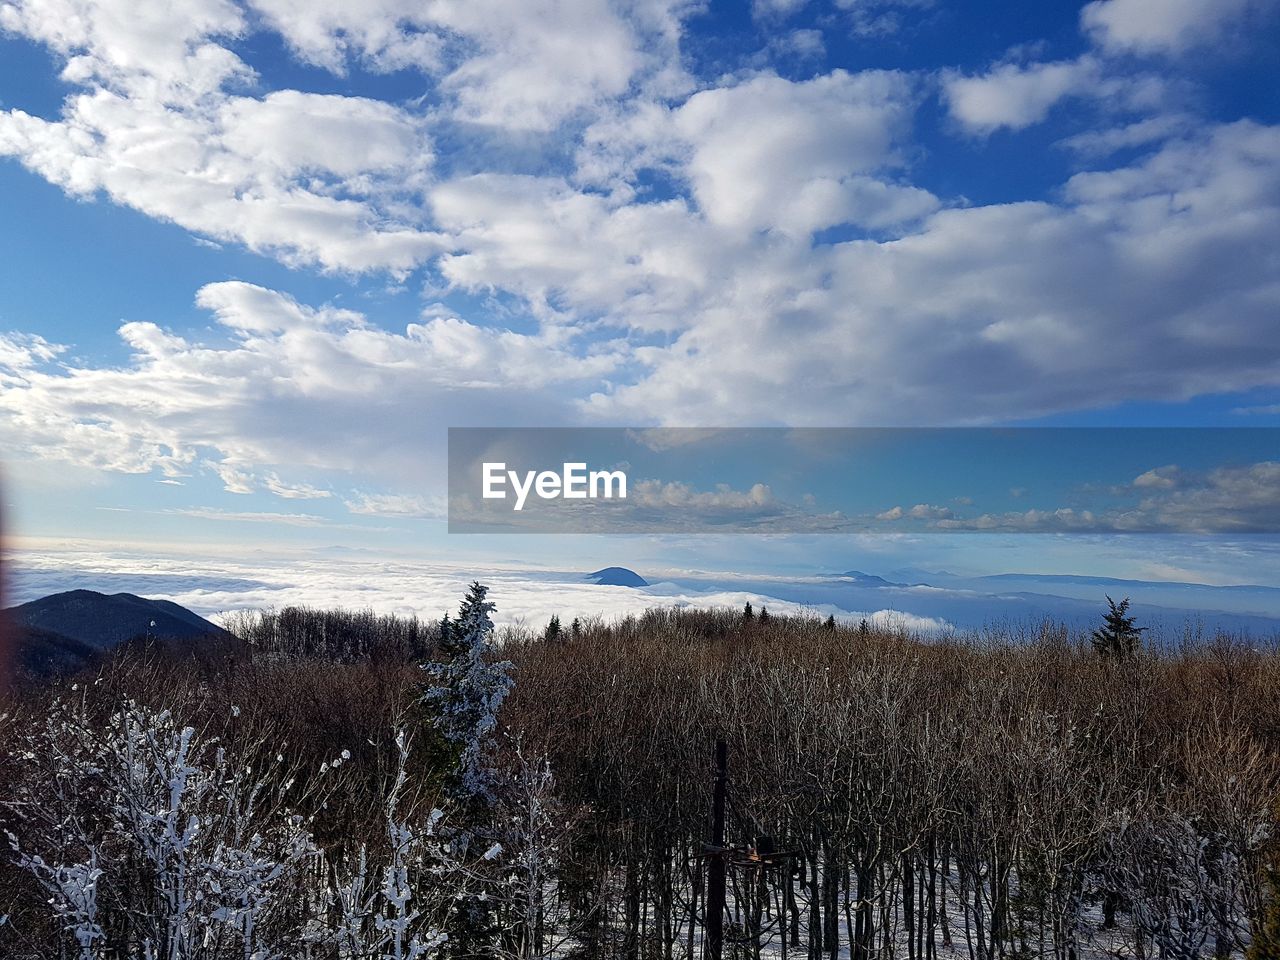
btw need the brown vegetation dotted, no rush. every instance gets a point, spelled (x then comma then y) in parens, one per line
(981, 797)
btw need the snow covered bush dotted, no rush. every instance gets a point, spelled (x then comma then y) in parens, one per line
(152, 841)
(383, 914)
(533, 828)
(149, 840)
(1181, 882)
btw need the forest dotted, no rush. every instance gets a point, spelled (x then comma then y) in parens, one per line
(342, 785)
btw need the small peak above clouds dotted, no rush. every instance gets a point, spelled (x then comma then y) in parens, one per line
(866, 579)
(617, 577)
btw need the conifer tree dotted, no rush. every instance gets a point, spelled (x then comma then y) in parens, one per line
(467, 689)
(764, 614)
(446, 634)
(747, 612)
(1118, 636)
(466, 692)
(831, 622)
(552, 633)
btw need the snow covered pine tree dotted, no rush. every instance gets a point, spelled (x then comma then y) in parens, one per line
(467, 689)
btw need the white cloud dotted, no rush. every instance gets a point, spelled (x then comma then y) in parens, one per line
(1140, 133)
(921, 511)
(250, 516)
(680, 495)
(772, 153)
(1150, 280)
(1163, 26)
(1231, 499)
(235, 479)
(296, 133)
(161, 49)
(1160, 478)
(245, 173)
(879, 18)
(22, 353)
(525, 66)
(1016, 96)
(396, 505)
(572, 255)
(426, 588)
(383, 34)
(294, 491)
(293, 388)
(676, 271)
(153, 123)
(769, 153)
(776, 8)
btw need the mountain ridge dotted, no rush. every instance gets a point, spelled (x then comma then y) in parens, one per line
(102, 621)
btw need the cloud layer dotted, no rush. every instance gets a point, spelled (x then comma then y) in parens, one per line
(636, 240)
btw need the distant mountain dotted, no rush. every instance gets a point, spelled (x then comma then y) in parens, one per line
(100, 621)
(617, 577)
(867, 579)
(1068, 578)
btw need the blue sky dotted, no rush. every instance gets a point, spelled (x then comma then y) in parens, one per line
(258, 256)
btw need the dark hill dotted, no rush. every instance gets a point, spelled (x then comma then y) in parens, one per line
(43, 653)
(617, 577)
(102, 621)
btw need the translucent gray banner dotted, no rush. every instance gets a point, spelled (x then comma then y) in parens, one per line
(864, 480)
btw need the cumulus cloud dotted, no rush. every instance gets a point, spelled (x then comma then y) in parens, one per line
(740, 249)
(154, 123)
(1233, 499)
(1225, 500)
(1147, 280)
(161, 49)
(181, 166)
(290, 387)
(1164, 26)
(921, 511)
(523, 66)
(1160, 478)
(772, 153)
(1016, 96)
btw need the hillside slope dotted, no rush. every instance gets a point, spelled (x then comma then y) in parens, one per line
(101, 621)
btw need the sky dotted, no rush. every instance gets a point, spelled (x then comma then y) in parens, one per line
(257, 257)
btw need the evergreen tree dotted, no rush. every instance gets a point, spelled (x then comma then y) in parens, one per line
(764, 614)
(1118, 636)
(747, 612)
(467, 689)
(552, 633)
(864, 628)
(831, 622)
(576, 628)
(446, 634)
